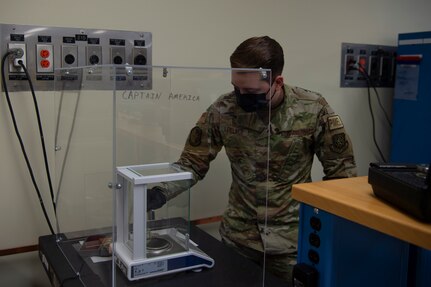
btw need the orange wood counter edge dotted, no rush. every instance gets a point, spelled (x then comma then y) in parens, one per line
(353, 199)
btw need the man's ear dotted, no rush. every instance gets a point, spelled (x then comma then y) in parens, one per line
(279, 80)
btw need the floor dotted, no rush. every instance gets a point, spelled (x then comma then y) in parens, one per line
(26, 270)
(22, 270)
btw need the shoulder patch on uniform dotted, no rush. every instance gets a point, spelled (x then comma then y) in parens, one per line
(195, 136)
(339, 143)
(335, 122)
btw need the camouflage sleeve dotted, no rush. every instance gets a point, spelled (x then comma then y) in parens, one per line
(333, 146)
(202, 146)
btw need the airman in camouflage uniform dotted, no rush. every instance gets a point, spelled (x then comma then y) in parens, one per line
(268, 153)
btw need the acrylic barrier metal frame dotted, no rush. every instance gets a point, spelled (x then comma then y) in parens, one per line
(103, 140)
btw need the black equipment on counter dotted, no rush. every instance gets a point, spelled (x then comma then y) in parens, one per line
(405, 186)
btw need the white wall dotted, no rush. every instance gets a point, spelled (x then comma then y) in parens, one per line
(204, 33)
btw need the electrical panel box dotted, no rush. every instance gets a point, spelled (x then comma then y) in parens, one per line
(363, 65)
(51, 54)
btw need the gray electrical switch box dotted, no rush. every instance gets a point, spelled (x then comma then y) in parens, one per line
(363, 65)
(46, 50)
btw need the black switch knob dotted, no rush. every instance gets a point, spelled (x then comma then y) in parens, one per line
(94, 59)
(140, 60)
(118, 60)
(69, 59)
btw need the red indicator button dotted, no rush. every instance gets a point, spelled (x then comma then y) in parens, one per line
(362, 64)
(44, 54)
(45, 64)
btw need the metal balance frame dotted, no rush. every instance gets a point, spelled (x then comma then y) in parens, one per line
(157, 247)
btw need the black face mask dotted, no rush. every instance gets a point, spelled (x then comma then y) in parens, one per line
(251, 102)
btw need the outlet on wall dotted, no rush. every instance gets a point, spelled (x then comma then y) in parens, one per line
(14, 66)
(94, 55)
(69, 55)
(44, 58)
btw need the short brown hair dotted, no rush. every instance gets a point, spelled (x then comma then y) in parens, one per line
(259, 52)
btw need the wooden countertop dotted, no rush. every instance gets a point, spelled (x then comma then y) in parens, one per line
(353, 199)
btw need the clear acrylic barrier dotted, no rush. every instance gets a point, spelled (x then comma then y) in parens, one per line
(84, 160)
(131, 141)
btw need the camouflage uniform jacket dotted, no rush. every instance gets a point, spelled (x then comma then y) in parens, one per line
(302, 126)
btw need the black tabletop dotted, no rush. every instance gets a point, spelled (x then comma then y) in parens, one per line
(230, 269)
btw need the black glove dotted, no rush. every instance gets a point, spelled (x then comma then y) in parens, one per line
(155, 198)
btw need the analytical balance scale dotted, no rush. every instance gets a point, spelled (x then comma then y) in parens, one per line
(146, 247)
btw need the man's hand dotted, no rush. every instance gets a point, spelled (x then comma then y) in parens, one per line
(155, 198)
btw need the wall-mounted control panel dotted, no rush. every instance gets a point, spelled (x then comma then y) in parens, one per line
(52, 56)
(363, 65)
